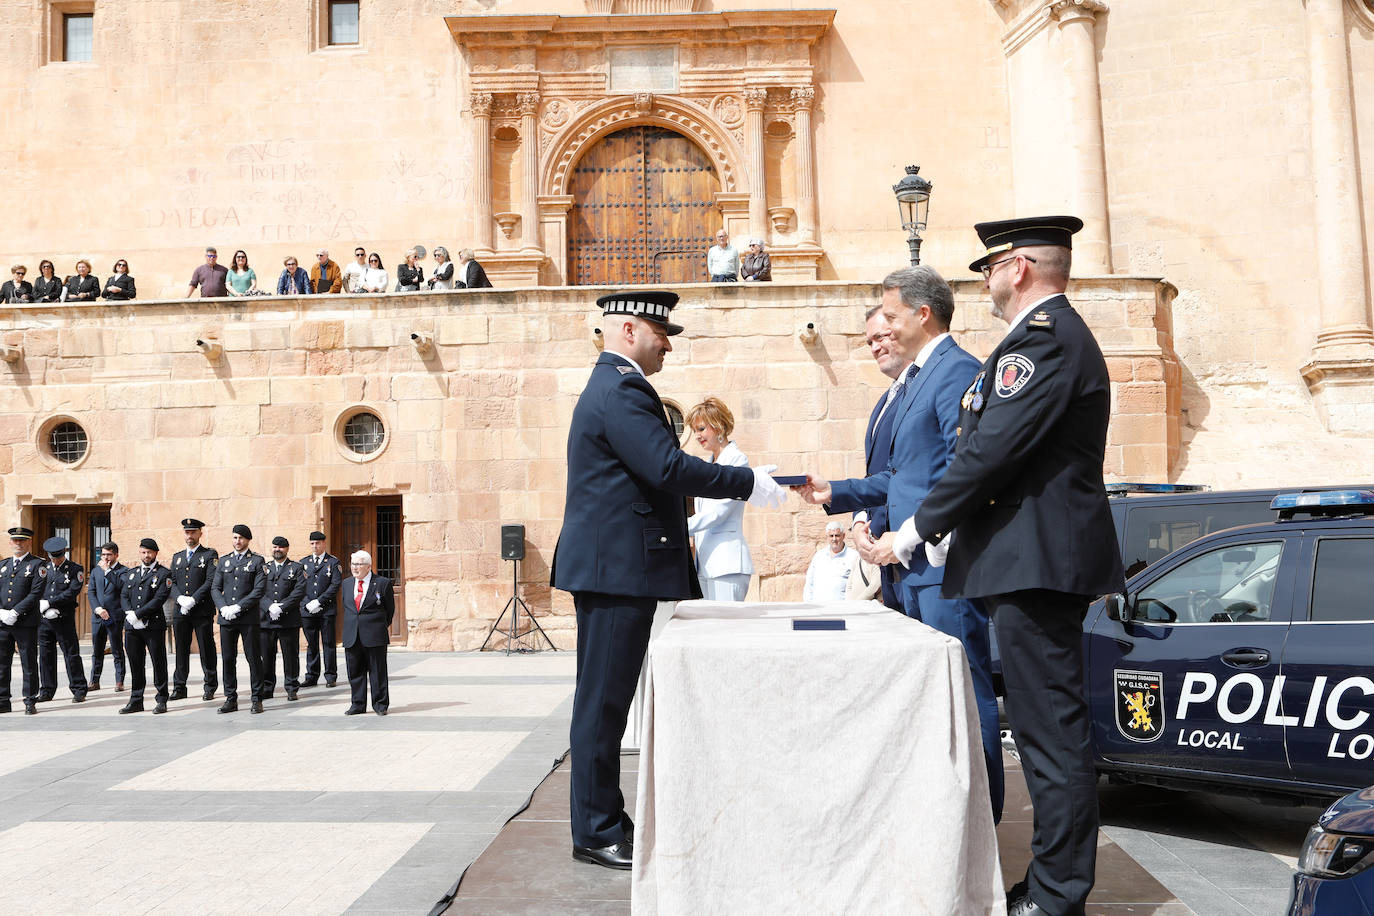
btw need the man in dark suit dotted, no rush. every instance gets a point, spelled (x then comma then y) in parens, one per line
(918, 306)
(193, 572)
(237, 588)
(281, 620)
(624, 547)
(1023, 514)
(62, 581)
(144, 595)
(107, 614)
(369, 606)
(20, 589)
(323, 574)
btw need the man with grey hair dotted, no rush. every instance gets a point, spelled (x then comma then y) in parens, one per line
(918, 306)
(827, 578)
(369, 606)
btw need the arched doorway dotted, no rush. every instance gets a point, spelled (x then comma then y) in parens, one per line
(644, 210)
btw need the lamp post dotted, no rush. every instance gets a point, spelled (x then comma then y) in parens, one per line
(913, 203)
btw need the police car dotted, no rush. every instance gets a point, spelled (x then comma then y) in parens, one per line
(1336, 868)
(1243, 661)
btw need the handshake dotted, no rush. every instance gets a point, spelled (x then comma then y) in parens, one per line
(892, 546)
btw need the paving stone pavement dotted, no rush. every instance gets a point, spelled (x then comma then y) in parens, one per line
(300, 810)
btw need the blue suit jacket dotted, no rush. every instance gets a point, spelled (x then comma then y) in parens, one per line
(924, 433)
(625, 518)
(877, 449)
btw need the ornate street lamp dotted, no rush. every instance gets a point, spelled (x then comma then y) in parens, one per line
(913, 202)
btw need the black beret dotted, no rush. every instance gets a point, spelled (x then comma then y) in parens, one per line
(280, 541)
(244, 531)
(318, 536)
(148, 544)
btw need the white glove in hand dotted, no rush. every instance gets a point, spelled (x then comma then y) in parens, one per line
(132, 618)
(313, 605)
(186, 602)
(936, 554)
(230, 611)
(9, 617)
(767, 494)
(51, 613)
(43, 605)
(274, 610)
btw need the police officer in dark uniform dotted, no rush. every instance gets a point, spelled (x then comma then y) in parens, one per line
(323, 573)
(238, 586)
(107, 614)
(62, 580)
(281, 620)
(624, 547)
(1032, 536)
(193, 613)
(20, 590)
(146, 590)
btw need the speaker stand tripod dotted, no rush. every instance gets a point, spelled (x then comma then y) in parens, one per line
(513, 606)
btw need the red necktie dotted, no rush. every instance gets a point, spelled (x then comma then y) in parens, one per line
(358, 602)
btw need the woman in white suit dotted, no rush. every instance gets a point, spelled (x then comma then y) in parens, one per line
(717, 525)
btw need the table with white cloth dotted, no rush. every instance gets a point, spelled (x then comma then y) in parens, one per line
(811, 771)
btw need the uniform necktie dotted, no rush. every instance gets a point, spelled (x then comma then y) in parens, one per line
(358, 602)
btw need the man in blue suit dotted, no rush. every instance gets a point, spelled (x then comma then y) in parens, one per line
(918, 306)
(624, 548)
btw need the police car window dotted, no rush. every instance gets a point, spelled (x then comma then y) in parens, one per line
(1343, 585)
(1232, 584)
(1153, 532)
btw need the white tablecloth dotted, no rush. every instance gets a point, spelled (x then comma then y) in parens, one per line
(811, 772)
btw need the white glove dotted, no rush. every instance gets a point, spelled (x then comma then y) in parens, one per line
(132, 618)
(51, 613)
(43, 605)
(186, 602)
(767, 494)
(274, 610)
(10, 618)
(936, 554)
(313, 605)
(230, 611)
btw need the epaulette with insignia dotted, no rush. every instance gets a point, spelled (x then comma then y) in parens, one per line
(1041, 319)
(625, 370)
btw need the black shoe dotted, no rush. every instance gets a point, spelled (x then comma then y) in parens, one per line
(209, 694)
(1018, 892)
(310, 683)
(178, 693)
(160, 708)
(79, 698)
(44, 698)
(119, 688)
(291, 695)
(268, 695)
(129, 707)
(1026, 907)
(30, 709)
(255, 707)
(95, 685)
(354, 711)
(230, 706)
(380, 712)
(330, 682)
(620, 856)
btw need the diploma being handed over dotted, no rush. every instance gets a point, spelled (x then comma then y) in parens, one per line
(892, 546)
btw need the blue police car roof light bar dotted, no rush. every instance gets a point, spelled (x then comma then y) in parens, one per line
(1334, 502)
(1121, 489)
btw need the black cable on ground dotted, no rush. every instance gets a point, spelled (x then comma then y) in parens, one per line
(446, 901)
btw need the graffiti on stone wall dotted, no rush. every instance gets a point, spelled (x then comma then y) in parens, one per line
(413, 180)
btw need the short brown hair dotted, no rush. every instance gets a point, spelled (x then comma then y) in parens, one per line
(716, 415)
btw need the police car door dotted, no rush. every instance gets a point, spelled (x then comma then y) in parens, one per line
(1328, 663)
(1185, 681)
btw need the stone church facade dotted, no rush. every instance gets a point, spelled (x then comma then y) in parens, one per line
(1216, 157)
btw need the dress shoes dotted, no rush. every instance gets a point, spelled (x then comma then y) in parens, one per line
(618, 856)
(95, 685)
(1026, 907)
(255, 707)
(1017, 892)
(119, 687)
(208, 694)
(309, 683)
(45, 698)
(160, 708)
(178, 693)
(79, 698)
(129, 707)
(354, 711)
(380, 712)
(268, 695)
(330, 682)
(291, 695)
(230, 706)
(30, 708)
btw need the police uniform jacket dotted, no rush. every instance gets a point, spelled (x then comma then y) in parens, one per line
(625, 517)
(239, 580)
(1024, 494)
(193, 576)
(322, 577)
(146, 592)
(368, 624)
(20, 588)
(103, 590)
(62, 586)
(285, 586)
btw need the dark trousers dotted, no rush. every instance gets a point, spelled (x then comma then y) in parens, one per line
(1040, 634)
(111, 631)
(184, 626)
(966, 621)
(367, 665)
(25, 640)
(717, 278)
(229, 636)
(51, 634)
(319, 641)
(887, 579)
(289, 638)
(138, 643)
(612, 637)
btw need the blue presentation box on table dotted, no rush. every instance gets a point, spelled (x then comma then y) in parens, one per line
(817, 623)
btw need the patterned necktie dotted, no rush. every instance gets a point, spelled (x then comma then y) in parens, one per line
(358, 602)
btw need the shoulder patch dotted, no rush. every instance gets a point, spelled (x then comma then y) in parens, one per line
(625, 370)
(1041, 319)
(1013, 371)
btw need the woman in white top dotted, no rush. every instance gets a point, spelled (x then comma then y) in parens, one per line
(717, 525)
(374, 278)
(442, 278)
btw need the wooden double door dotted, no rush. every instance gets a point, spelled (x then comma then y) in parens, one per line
(374, 524)
(644, 210)
(85, 528)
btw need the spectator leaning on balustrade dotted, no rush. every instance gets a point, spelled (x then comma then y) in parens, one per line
(48, 287)
(242, 279)
(17, 289)
(374, 278)
(293, 280)
(722, 260)
(410, 274)
(82, 287)
(470, 273)
(756, 265)
(442, 278)
(324, 274)
(120, 285)
(210, 277)
(354, 271)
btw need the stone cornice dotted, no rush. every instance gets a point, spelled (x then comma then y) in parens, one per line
(487, 30)
(1037, 16)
